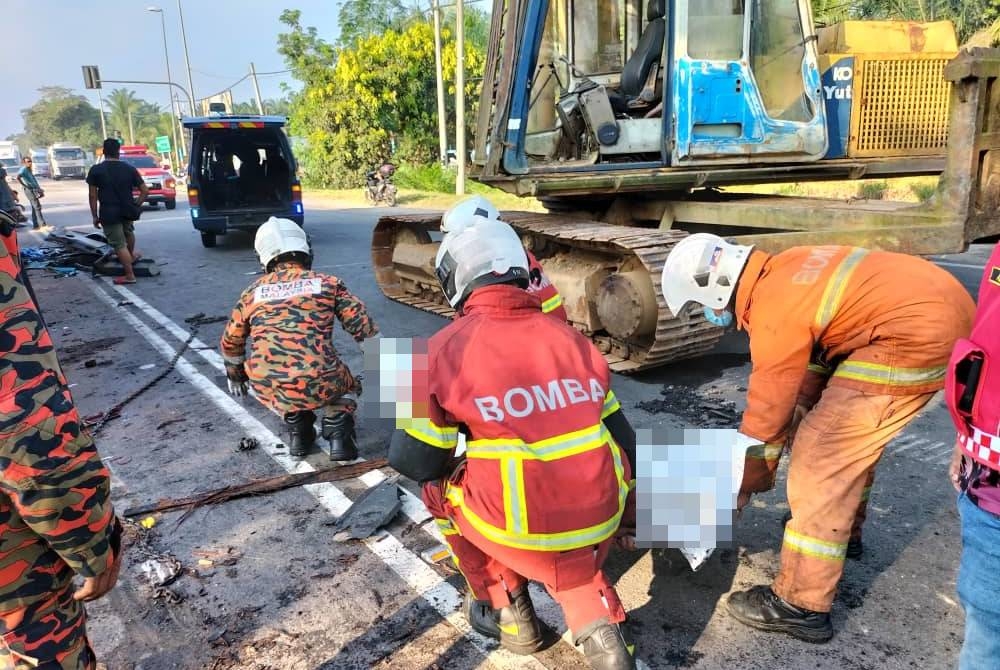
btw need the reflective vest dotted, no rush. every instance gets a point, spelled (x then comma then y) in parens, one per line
(884, 322)
(543, 472)
(552, 302)
(972, 387)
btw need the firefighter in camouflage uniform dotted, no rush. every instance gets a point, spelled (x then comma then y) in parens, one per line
(289, 314)
(56, 517)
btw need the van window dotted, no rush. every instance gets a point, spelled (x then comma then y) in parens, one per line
(244, 169)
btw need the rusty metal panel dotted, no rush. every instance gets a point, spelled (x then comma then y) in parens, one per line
(901, 105)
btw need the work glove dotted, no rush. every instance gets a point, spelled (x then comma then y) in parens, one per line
(237, 388)
(237, 379)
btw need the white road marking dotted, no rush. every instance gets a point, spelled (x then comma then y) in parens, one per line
(547, 609)
(439, 594)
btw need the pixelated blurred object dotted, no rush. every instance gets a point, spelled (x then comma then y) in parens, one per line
(687, 482)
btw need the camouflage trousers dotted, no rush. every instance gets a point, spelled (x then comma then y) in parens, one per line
(48, 635)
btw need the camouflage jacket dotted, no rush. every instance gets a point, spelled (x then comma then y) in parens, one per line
(56, 516)
(289, 316)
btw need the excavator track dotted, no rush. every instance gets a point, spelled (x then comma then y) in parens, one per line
(609, 277)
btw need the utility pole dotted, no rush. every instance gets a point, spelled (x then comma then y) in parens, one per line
(256, 89)
(187, 60)
(170, 94)
(442, 118)
(460, 95)
(104, 126)
(131, 131)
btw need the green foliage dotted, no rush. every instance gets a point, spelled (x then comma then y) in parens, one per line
(61, 116)
(364, 18)
(360, 103)
(924, 192)
(790, 189)
(968, 16)
(275, 107)
(432, 177)
(873, 190)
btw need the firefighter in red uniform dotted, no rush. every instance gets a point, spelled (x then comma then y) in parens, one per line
(542, 488)
(477, 208)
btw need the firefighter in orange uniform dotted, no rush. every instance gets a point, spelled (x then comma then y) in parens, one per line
(541, 490)
(885, 323)
(477, 208)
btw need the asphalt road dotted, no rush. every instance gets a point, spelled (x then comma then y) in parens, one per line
(265, 585)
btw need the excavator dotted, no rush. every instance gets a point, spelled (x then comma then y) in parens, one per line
(635, 123)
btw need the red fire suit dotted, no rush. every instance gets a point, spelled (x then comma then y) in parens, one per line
(539, 284)
(543, 486)
(858, 312)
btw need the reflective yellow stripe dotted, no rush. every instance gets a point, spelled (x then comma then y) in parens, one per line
(510, 629)
(551, 449)
(814, 547)
(877, 373)
(515, 506)
(611, 405)
(552, 303)
(836, 286)
(565, 541)
(767, 452)
(819, 369)
(446, 527)
(428, 432)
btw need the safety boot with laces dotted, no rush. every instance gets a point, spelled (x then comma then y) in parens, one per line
(482, 617)
(301, 433)
(608, 647)
(762, 608)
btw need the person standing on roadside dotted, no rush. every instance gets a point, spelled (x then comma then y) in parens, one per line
(33, 192)
(111, 183)
(972, 392)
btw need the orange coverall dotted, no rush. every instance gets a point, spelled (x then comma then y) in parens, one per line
(886, 324)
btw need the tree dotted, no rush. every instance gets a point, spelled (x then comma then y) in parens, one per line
(61, 116)
(363, 18)
(379, 92)
(968, 16)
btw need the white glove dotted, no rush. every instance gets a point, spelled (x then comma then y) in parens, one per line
(238, 389)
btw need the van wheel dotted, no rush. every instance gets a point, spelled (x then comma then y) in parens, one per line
(170, 204)
(208, 240)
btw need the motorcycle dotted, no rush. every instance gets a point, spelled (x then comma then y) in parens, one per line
(379, 187)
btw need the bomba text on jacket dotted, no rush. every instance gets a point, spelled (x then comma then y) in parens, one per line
(519, 402)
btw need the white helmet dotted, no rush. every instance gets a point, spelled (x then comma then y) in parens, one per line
(702, 268)
(487, 253)
(468, 212)
(280, 236)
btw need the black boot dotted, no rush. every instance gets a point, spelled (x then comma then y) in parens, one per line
(608, 647)
(338, 430)
(301, 433)
(520, 629)
(854, 547)
(482, 617)
(761, 608)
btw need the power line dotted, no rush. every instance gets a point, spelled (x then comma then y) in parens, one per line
(244, 78)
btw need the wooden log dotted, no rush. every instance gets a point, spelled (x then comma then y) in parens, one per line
(260, 487)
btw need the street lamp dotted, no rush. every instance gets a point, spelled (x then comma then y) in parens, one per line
(178, 149)
(187, 60)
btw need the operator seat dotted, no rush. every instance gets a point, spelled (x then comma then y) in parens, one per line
(636, 73)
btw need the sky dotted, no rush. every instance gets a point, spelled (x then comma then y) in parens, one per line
(47, 41)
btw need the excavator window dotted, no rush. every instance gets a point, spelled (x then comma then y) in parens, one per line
(777, 49)
(715, 29)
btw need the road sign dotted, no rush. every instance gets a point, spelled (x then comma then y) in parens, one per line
(162, 144)
(91, 76)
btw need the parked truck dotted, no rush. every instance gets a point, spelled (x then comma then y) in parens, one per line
(67, 161)
(635, 122)
(10, 158)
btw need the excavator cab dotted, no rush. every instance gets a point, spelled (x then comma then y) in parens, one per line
(661, 83)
